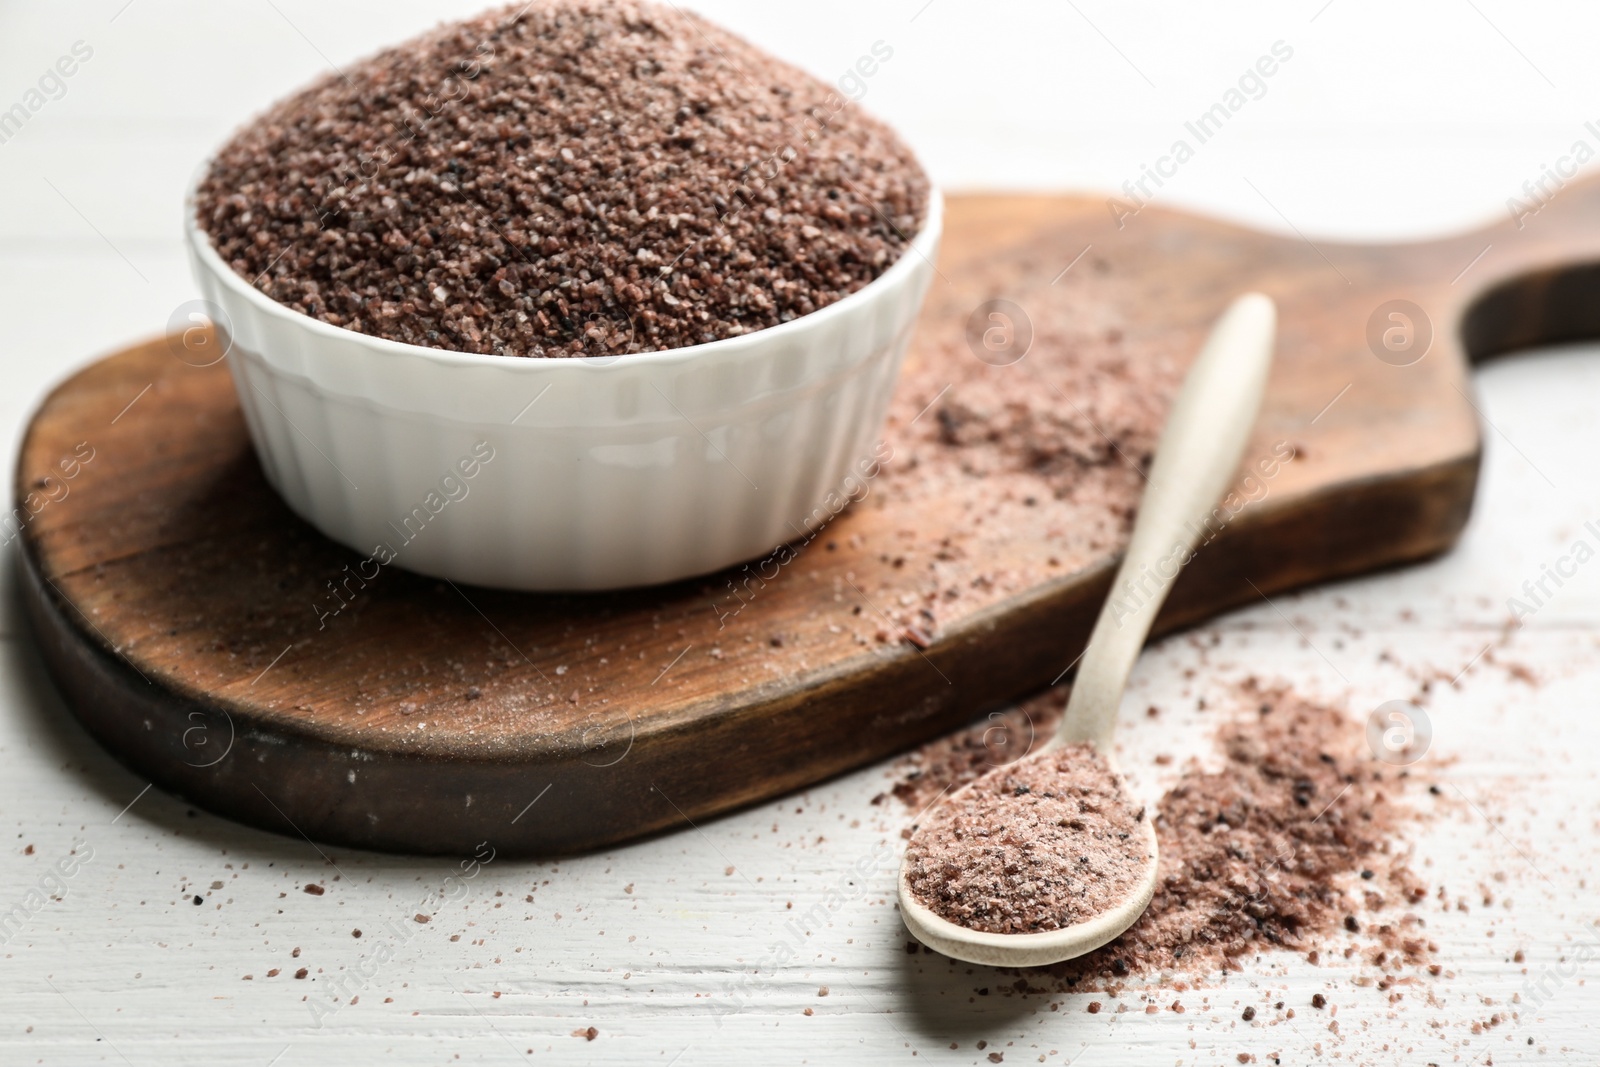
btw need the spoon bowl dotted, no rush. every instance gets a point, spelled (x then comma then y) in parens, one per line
(1199, 451)
(1029, 950)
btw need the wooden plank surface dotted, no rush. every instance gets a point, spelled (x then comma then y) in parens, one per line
(648, 942)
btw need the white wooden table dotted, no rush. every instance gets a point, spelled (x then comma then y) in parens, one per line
(1387, 122)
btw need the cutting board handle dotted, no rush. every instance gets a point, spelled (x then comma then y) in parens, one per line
(1550, 306)
(1538, 282)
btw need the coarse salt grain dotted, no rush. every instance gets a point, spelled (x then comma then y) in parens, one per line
(488, 187)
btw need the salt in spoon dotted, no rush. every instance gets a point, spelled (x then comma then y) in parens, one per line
(1199, 451)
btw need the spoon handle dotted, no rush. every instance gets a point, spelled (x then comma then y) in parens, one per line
(1199, 451)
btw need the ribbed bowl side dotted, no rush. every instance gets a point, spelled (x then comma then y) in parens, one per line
(584, 474)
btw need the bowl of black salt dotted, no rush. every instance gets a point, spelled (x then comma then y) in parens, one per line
(577, 295)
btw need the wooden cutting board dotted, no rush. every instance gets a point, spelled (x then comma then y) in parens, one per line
(215, 643)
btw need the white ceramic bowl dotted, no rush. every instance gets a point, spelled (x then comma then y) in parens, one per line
(602, 472)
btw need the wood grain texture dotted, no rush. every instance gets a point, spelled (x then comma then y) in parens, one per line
(186, 614)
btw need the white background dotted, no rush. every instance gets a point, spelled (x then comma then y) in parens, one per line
(1391, 121)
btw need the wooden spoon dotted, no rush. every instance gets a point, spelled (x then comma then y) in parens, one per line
(1199, 451)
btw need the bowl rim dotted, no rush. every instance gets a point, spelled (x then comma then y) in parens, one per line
(924, 247)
